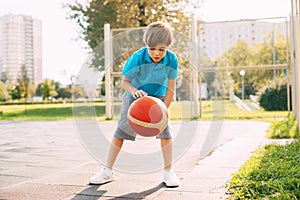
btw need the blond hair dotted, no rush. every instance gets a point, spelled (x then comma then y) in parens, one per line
(158, 33)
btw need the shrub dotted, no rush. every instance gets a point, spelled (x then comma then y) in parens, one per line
(286, 128)
(273, 96)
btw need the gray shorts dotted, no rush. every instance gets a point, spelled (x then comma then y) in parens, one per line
(124, 131)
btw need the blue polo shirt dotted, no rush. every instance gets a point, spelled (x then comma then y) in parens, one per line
(149, 76)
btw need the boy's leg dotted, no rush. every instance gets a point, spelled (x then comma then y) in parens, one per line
(166, 147)
(115, 147)
(107, 174)
(170, 178)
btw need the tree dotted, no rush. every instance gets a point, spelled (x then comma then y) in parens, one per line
(62, 92)
(16, 92)
(47, 89)
(65, 93)
(57, 89)
(241, 54)
(78, 92)
(2, 91)
(264, 56)
(26, 87)
(20, 89)
(123, 14)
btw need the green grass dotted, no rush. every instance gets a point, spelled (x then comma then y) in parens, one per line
(179, 111)
(273, 172)
(43, 111)
(232, 112)
(227, 111)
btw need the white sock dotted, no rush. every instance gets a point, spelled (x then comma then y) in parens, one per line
(108, 169)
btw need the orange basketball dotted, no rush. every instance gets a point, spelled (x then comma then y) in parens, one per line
(148, 116)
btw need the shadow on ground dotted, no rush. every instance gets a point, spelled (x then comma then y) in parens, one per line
(93, 193)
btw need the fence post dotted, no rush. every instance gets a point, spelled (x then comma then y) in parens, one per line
(297, 52)
(287, 69)
(107, 59)
(295, 42)
(195, 67)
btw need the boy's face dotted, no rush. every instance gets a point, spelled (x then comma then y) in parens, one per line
(157, 53)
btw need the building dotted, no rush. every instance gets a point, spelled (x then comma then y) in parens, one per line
(20, 45)
(217, 37)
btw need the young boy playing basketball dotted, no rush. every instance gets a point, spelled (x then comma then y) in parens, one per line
(152, 71)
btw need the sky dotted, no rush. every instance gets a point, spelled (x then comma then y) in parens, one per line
(64, 53)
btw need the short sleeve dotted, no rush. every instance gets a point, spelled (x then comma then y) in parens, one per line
(131, 67)
(173, 68)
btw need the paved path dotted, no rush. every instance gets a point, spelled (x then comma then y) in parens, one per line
(45, 160)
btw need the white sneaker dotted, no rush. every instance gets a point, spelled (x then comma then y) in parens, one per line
(104, 176)
(170, 178)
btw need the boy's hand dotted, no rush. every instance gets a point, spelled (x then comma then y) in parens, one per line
(139, 93)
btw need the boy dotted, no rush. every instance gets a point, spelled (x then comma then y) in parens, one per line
(152, 71)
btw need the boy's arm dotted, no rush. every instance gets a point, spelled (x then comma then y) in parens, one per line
(170, 92)
(128, 87)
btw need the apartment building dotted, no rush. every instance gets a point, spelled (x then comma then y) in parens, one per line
(20, 45)
(217, 37)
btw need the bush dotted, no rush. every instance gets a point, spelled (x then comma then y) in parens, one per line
(273, 96)
(286, 128)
